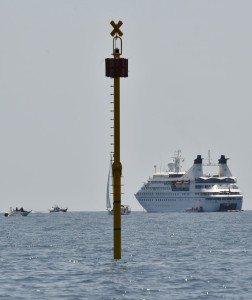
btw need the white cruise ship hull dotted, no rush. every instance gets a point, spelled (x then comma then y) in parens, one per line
(191, 204)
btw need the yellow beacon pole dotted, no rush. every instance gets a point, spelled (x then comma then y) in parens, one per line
(115, 68)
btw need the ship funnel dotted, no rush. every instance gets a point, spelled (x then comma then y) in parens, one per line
(198, 160)
(197, 167)
(223, 167)
(196, 170)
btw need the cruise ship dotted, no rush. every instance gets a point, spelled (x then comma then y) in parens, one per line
(192, 191)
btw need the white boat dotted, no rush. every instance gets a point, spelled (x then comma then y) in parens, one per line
(56, 208)
(192, 191)
(17, 212)
(125, 209)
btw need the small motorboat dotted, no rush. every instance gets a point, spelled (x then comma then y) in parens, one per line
(125, 210)
(56, 208)
(17, 212)
(195, 209)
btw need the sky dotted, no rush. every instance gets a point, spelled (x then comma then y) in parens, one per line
(189, 88)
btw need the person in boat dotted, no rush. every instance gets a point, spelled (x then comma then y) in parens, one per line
(21, 209)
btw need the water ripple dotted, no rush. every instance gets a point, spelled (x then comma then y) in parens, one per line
(164, 256)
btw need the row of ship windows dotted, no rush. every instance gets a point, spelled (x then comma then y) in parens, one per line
(197, 186)
(226, 199)
(207, 194)
(215, 199)
(158, 187)
(150, 193)
(217, 193)
(163, 194)
(203, 186)
(176, 194)
(159, 200)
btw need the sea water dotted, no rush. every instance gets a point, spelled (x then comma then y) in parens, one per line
(164, 256)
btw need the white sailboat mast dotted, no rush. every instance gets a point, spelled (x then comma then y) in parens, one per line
(108, 203)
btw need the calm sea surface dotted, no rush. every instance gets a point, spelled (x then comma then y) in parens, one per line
(164, 256)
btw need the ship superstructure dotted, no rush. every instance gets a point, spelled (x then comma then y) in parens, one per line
(194, 190)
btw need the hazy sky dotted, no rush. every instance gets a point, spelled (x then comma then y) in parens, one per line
(189, 88)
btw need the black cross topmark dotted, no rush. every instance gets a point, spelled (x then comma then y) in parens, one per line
(116, 29)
